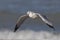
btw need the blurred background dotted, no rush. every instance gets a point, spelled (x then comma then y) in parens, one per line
(11, 10)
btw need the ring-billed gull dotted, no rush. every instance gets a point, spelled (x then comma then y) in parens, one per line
(32, 15)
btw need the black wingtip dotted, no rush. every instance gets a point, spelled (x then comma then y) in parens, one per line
(15, 28)
(51, 27)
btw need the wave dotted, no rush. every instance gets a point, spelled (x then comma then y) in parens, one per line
(29, 34)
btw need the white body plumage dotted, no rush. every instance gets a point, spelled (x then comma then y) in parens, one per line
(31, 14)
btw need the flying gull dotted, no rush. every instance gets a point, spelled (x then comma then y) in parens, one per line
(32, 15)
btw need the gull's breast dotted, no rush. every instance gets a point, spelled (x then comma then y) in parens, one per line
(33, 16)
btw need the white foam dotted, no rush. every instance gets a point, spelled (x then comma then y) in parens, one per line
(28, 34)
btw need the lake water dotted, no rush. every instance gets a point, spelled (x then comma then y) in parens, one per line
(10, 10)
(22, 6)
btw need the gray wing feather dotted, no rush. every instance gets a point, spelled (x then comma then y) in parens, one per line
(20, 21)
(45, 19)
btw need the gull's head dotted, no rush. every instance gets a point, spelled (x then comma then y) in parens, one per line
(29, 12)
(32, 14)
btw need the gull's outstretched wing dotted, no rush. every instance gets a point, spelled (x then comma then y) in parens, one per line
(45, 19)
(20, 21)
